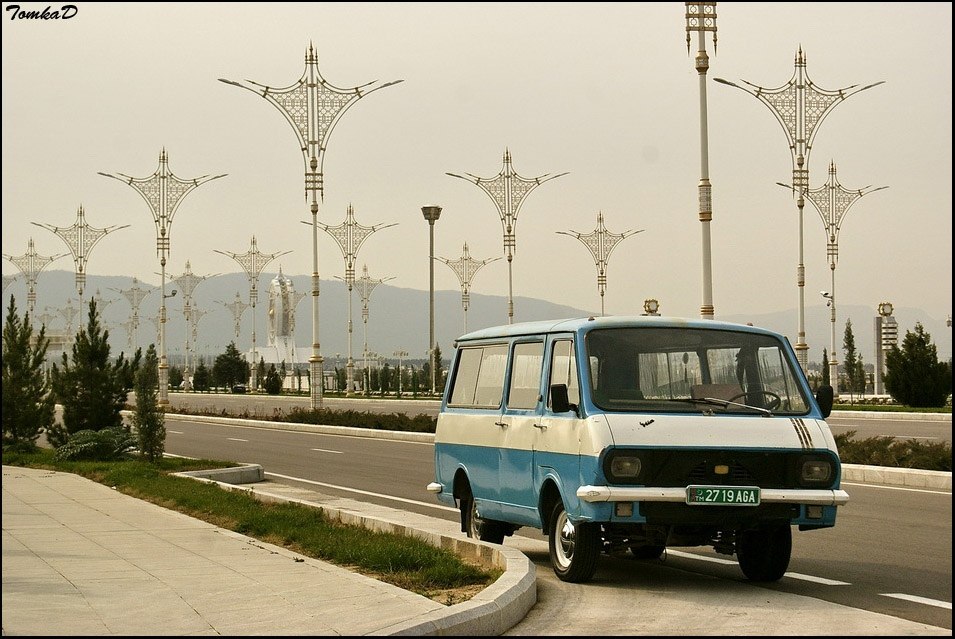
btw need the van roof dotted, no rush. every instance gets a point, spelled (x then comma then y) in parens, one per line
(572, 325)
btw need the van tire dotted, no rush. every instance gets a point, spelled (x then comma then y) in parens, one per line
(764, 553)
(574, 548)
(476, 528)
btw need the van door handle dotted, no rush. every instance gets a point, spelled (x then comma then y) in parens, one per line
(541, 426)
(501, 424)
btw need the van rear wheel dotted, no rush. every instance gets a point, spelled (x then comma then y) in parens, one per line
(477, 528)
(574, 548)
(763, 554)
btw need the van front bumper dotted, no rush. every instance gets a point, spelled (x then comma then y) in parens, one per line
(594, 494)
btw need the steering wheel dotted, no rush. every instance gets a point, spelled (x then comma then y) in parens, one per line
(775, 401)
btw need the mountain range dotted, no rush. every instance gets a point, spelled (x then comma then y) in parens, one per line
(397, 318)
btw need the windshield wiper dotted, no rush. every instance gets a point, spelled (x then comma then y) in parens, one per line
(723, 403)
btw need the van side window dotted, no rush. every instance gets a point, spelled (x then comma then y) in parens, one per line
(479, 380)
(563, 369)
(526, 368)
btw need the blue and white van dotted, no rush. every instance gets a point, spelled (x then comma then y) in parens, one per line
(636, 434)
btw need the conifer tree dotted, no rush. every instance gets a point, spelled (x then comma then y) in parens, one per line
(148, 420)
(91, 387)
(28, 404)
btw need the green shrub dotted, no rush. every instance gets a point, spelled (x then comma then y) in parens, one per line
(107, 444)
(894, 453)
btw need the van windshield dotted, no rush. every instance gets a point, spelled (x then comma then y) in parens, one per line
(691, 370)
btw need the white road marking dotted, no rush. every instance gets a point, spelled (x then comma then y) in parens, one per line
(365, 492)
(729, 562)
(324, 450)
(922, 600)
(913, 490)
(235, 439)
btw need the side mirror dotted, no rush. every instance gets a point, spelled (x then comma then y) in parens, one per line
(824, 397)
(559, 402)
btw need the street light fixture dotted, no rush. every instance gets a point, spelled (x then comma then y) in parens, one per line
(312, 106)
(135, 295)
(80, 239)
(253, 261)
(800, 107)
(399, 355)
(507, 190)
(349, 235)
(163, 193)
(700, 18)
(832, 202)
(366, 285)
(30, 264)
(431, 215)
(601, 243)
(465, 267)
(188, 282)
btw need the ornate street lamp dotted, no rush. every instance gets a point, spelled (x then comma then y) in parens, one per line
(187, 283)
(800, 107)
(886, 338)
(312, 106)
(349, 235)
(700, 18)
(163, 193)
(507, 190)
(237, 307)
(253, 261)
(30, 264)
(399, 355)
(601, 243)
(366, 285)
(80, 239)
(832, 202)
(134, 295)
(465, 267)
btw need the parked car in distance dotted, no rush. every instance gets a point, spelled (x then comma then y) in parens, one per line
(239, 388)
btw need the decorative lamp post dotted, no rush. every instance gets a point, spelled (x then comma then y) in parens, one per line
(601, 243)
(312, 106)
(365, 286)
(237, 307)
(349, 235)
(431, 215)
(80, 239)
(465, 267)
(832, 202)
(187, 283)
(399, 355)
(163, 193)
(30, 264)
(800, 107)
(507, 190)
(253, 261)
(651, 307)
(700, 18)
(134, 295)
(887, 336)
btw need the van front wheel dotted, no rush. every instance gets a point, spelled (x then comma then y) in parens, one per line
(476, 528)
(574, 548)
(764, 554)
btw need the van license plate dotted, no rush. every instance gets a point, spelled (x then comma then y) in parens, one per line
(722, 495)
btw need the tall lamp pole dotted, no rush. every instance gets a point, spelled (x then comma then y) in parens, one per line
(431, 215)
(349, 235)
(135, 295)
(507, 190)
(832, 202)
(253, 261)
(163, 193)
(30, 264)
(80, 239)
(187, 283)
(800, 107)
(601, 243)
(366, 285)
(312, 106)
(466, 267)
(237, 307)
(700, 18)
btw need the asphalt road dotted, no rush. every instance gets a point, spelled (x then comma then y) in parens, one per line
(890, 551)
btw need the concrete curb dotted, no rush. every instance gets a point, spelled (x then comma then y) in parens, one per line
(493, 611)
(907, 477)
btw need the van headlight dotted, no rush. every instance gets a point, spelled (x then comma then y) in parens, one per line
(623, 467)
(816, 472)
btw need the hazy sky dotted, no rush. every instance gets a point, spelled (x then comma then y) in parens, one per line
(603, 91)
